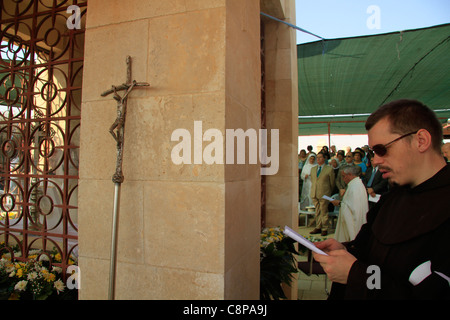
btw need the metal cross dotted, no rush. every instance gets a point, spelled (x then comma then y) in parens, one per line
(117, 130)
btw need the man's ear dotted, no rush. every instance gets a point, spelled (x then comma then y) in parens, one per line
(423, 140)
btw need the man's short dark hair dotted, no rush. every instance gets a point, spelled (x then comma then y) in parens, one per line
(407, 116)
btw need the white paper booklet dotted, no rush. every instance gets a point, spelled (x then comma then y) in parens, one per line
(375, 199)
(328, 198)
(302, 240)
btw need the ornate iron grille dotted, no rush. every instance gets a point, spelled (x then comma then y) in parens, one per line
(42, 44)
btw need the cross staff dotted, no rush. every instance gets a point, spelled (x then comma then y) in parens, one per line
(117, 130)
(119, 124)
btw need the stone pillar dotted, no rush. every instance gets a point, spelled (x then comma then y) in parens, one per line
(282, 114)
(186, 231)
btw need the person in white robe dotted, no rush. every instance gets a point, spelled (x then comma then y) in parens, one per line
(353, 206)
(305, 198)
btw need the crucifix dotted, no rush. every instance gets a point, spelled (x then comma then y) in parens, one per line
(117, 130)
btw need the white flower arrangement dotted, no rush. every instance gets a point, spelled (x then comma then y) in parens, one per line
(270, 235)
(277, 263)
(32, 279)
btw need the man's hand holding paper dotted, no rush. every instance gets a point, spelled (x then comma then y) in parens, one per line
(302, 240)
(337, 263)
(330, 245)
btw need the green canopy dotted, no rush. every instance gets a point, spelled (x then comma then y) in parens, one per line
(342, 81)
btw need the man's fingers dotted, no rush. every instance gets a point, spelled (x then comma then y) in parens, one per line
(320, 257)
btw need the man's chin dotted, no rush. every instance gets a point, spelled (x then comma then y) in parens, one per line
(395, 183)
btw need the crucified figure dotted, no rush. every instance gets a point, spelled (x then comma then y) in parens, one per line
(121, 113)
(118, 127)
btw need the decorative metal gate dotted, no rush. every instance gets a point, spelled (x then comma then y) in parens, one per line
(42, 44)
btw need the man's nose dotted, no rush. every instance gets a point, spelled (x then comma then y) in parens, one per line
(376, 160)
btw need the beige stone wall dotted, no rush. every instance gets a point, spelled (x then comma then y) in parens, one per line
(242, 182)
(188, 231)
(282, 114)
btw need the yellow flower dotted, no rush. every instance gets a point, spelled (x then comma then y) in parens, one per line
(19, 273)
(49, 276)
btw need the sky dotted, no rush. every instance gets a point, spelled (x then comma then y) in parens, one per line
(331, 19)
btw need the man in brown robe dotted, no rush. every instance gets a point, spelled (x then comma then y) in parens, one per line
(402, 252)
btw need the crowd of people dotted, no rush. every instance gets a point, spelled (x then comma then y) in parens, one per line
(335, 184)
(371, 184)
(370, 176)
(353, 197)
(387, 204)
(401, 251)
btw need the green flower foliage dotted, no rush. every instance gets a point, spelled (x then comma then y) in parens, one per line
(278, 263)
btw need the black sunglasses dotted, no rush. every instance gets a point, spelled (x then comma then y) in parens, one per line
(381, 149)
